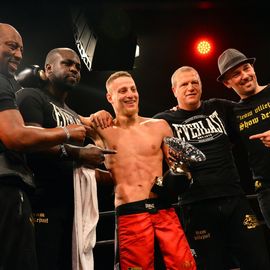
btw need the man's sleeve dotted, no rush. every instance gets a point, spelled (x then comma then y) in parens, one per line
(158, 116)
(7, 95)
(30, 104)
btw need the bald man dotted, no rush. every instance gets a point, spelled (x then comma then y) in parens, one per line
(17, 241)
(53, 200)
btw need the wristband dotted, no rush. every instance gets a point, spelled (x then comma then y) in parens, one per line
(63, 151)
(67, 133)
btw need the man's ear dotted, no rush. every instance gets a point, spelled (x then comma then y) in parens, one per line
(48, 69)
(109, 97)
(225, 82)
(174, 91)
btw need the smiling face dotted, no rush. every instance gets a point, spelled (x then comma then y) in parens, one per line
(187, 88)
(242, 79)
(11, 50)
(123, 95)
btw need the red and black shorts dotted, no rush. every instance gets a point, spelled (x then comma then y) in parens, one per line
(139, 224)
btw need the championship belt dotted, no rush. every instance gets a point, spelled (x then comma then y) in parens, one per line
(183, 154)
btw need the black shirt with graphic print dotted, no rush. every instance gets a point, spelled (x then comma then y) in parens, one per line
(53, 175)
(207, 128)
(253, 117)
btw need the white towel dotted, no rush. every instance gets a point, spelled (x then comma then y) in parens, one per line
(85, 218)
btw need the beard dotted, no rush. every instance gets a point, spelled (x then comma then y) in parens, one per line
(63, 84)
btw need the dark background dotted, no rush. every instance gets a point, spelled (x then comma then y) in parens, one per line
(165, 32)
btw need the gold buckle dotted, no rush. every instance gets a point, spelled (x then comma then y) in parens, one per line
(258, 184)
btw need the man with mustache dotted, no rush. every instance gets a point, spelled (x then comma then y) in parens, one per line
(53, 199)
(17, 240)
(252, 117)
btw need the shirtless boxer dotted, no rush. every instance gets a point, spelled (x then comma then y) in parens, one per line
(141, 215)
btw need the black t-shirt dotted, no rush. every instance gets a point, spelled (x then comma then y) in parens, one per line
(252, 117)
(7, 97)
(7, 93)
(207, 128)
(12, 163)
(53, 175)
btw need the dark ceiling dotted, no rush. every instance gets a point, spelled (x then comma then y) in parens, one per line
(165, 31)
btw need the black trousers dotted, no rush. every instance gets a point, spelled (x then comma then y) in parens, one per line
(17, 238)
(53, 226)
(225, 234)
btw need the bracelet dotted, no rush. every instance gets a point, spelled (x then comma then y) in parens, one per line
(67, 133)
(63, 151)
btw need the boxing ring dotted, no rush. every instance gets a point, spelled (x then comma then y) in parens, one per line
(104, 249)
(176, 205)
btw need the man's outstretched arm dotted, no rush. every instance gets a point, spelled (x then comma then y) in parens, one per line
(15, 135)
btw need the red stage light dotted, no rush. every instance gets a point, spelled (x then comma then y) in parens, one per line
(204, 47)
